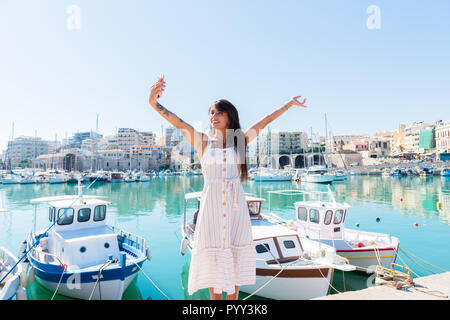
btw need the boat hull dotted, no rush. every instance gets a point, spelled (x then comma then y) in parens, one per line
(291, 284)
(317, 178)
(365, 260)
(79, 285)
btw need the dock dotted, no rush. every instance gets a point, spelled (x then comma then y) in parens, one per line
(437, 285)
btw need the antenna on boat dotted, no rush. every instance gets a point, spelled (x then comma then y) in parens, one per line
(331, 194)
(80, 189)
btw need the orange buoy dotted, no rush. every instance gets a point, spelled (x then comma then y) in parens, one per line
(360, 245)
(401, 199)
(416, 224)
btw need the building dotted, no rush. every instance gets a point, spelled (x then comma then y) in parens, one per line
(25, 148)
(173, 136)
(77, 139)
(276, 148)
(398, 140)
(442, 136)
(337, 143)
(412, 136)
(131, 140)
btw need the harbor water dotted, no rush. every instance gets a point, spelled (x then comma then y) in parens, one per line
(154, 210)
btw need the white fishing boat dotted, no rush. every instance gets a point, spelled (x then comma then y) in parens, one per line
(9, 276)
(268, 174)
(57, 177)
(287, 266)
(323, 221)
(340, 175)
(317, 174)
(79, 255)
(10, 179)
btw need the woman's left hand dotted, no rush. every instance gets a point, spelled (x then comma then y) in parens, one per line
(295, 102)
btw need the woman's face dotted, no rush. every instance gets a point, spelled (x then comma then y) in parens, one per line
(218, 119)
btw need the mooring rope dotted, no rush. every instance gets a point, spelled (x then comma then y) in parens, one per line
(151, 281)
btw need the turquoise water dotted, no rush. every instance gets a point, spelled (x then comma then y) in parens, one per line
(155, 210)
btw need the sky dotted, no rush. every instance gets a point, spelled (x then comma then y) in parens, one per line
(63, 62)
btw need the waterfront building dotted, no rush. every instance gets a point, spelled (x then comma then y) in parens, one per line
(131, 140)
(442, 135)
(338, 142)
(398, 140)
(277, 149)
(412, 136)
(173, 136)
(25, 148)
(77, 139)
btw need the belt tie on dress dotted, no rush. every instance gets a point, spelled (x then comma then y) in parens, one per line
(229, 186)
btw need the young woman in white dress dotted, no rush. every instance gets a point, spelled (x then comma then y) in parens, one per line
(223, 257)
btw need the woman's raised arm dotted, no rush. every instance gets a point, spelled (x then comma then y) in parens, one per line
(195, 138)
(252, 132)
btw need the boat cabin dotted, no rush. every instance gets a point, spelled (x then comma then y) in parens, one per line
(80, 236)
(321, 220)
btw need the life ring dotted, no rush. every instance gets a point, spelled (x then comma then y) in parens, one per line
(184, 246)
(64, 267)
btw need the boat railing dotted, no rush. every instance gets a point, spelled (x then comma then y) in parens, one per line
(43, 256)
(131, 239)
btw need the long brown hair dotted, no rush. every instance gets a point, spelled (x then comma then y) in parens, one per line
(234, 124)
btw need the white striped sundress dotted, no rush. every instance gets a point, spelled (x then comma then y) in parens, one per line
(223, 255)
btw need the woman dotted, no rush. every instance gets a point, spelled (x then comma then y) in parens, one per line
(223, 256)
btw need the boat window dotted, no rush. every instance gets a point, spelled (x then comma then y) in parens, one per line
(51, 214)
(289, 244)
(301, 213)
(99, 213)
(65, 216)
(84, 214)
(314, 215)
(328, 216)
(261, 248)
(338, 216)
(254, 207)
(345, 214)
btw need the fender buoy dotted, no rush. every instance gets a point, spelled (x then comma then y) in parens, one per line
(377, 219)
(438, 205)
(357, 225)
(416, 224)
(360, 245)
(401, 199)
(149, 254)
(184, 245)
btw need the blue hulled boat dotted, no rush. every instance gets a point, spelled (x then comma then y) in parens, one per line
(80, 256)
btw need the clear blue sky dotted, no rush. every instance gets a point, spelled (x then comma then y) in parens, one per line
(255, 53)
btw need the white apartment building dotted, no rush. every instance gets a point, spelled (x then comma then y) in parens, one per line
(412, 135)
(442, 134)
(22, 148)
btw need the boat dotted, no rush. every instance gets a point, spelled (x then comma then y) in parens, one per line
(445, 172)
(116, 177)
(141, 177)
(398, 172)
(9, 277)
(268, 174)
(56, 177)
(340, 175)
(385, 172)
(10, 179)
(303, 268)
(324, 221)
(129, 177)
(425, 171)
(79, 255)
(317, 174)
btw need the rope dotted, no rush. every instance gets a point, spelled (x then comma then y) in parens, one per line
(151, 281)
(57, 287)
(100, 270)
(404, 251)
